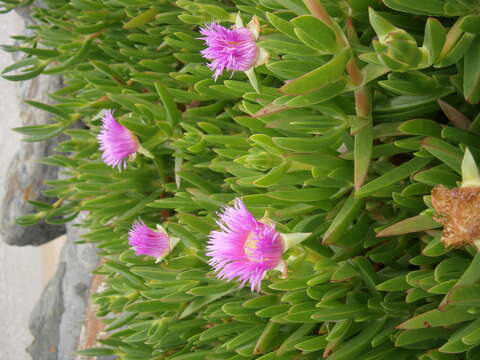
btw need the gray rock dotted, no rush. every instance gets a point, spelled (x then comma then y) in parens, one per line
(59, 316)
(25, 175)
(81, 261)
(26, 11)
(45, 318)
(25, 180)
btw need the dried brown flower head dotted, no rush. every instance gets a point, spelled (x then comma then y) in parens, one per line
(458, 210)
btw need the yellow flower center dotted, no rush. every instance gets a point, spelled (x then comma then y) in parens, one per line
(250, 246)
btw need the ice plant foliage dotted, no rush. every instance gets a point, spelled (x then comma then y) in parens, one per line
(228, 49)
(146, 241)
(354, 79)
(244, 248)
(117, 143)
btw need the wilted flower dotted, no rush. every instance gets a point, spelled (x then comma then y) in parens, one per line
(230, 49)
(146, 241)
(458, 210)
(244, 248)
(116, 142)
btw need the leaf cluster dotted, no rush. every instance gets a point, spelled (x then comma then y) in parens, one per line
(362, 109)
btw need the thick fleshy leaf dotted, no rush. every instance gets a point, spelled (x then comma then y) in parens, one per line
(436, 318)
(319, 77)
(410, 225)
(393, 176)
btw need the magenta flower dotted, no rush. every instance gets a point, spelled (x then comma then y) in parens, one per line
(243, 248)
(230, 49)
(116, 142)
(146, 241)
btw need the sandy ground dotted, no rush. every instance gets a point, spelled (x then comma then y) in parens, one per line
(23, 270)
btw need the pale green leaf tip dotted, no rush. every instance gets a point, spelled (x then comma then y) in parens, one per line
(254, 27)
(262, 57)
(266, 218)
(293, 239)
(477, 244)
(252, 77)
(178, 168)
(282, 267)
(144, 152)
(238, 21)
(173, 242)
(160, 228)
(470, 175)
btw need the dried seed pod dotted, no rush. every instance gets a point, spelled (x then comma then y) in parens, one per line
(458, 209)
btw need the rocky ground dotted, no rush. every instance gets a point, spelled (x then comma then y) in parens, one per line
(22, 271)
(43, 294)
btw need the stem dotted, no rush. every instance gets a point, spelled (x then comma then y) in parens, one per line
(362, 127)
(317, 10)
(351, 33)
(160, 166)
(354, 72)
(362, 101)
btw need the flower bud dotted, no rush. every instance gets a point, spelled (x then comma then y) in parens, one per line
(403, 48)
(259, 160)
(396, 48)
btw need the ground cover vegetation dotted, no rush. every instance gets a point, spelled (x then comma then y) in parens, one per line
(327, 141)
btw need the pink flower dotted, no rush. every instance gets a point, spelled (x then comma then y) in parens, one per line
(146, 241)
(243, 248)
(116, 142)
(231, 49)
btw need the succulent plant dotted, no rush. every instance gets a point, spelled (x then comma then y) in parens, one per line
(360, 109)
